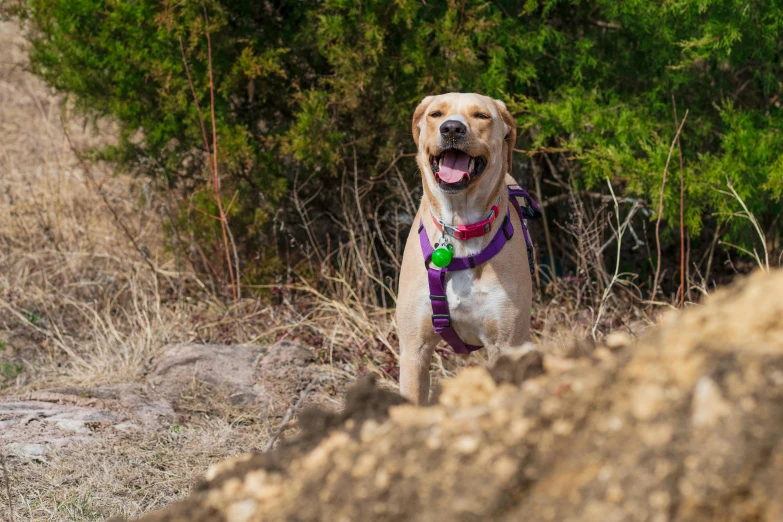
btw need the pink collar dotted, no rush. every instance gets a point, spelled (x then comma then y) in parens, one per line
(465, 232)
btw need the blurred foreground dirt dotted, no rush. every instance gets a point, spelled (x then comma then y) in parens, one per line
(685, 425)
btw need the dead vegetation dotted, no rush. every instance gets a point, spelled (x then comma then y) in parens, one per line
(91, 292)
(89, 295)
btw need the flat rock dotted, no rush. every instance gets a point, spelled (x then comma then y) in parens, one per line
(229, 367)
(249, 375)
(256, 377)
(30, 427)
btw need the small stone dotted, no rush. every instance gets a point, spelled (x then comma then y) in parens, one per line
(614, 423)
(75, 426)
(708, 405)
(647, 401)
(617, 340)
(466, 445)
(241, 511)
(27, 450)
(659, 499)
(562, 427)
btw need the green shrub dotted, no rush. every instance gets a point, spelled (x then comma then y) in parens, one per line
(312, 86)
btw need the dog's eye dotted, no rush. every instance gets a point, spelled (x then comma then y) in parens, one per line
(436, 114)
(482, 116)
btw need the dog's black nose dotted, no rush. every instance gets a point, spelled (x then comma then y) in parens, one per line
(453, 129)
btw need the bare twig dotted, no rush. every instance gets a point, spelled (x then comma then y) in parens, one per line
(750, 217)
(392, 164)
(660, 213)
(290, 413)
(366, 228)
(681, 290)
(195, 96)
(547, 236)
(625, 226)
(96, 187)
(606, 25)
(545, 150)
(213, 160)
(406, 194)
(594, 195)
(215, 173)
(608, 288)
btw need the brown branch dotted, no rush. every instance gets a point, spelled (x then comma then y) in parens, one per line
(606, 25)
(660, 214)
(595, 195)
(681, 290)
(547, 237)
(212, 162)
(231, 203)
(545, 150)
(98, 190)
(215, 173)
(290, 413)
(392, 164)
(195, 97)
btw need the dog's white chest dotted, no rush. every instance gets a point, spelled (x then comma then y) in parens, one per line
(475, 306)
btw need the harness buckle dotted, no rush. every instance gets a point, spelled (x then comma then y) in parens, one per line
(447, 317)
(506, 232)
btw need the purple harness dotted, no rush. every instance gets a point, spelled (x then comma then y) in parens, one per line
(441, 318)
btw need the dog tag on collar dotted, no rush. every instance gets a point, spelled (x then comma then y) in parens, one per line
(442, 256)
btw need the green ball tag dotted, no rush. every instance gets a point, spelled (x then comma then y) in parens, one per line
(442, 256)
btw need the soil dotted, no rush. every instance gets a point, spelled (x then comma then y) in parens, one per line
(685, 425)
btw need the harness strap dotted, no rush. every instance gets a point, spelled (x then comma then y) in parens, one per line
(441, 316)
(464, 263)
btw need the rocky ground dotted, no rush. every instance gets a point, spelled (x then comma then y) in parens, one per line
(90, 452)
(182, 385)
(685, 425)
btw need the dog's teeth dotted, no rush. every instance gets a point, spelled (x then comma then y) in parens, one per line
(471, 164)
(440, 162)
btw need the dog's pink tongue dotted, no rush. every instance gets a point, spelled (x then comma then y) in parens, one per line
(455, 166)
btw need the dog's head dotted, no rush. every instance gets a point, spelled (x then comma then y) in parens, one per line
(464, 140)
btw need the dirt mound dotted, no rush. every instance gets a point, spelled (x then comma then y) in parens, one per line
(686, 425)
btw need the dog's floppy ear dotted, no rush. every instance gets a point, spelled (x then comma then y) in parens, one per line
(510, 140)
(418, 114)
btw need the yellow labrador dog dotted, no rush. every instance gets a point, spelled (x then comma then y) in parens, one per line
(467, 220)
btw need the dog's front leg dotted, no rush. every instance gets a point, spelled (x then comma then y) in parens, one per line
(494, 351)
(415, 357)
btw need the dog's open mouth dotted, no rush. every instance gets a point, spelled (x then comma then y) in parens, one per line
(455, 169)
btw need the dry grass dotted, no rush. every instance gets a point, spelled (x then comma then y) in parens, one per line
(79, 304)
(83, 304)
(125, 477)
(89, 293)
